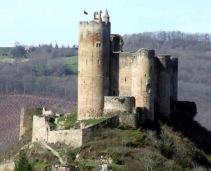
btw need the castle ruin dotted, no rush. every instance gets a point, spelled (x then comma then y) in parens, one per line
(111, 81)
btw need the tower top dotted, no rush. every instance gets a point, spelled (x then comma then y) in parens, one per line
(106, 16)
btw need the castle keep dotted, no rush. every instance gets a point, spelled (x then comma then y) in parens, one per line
(110, 81)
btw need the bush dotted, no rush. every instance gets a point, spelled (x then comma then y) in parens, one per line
(23, 164)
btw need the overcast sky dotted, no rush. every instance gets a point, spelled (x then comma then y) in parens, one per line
(34, 22)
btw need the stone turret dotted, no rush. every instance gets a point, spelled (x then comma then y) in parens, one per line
(93, 67)
(163, 84)
(143, 81)
(106, 16)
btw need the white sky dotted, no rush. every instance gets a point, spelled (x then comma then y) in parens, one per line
(34, 22)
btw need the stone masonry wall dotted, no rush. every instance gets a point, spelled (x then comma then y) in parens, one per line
(129, 119)
(125, 74)
(118, 104)
(40, 129)
(72, 137)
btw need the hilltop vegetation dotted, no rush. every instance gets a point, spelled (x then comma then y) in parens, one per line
(168, 146)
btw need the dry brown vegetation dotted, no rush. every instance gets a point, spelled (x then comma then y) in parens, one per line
(10, 107)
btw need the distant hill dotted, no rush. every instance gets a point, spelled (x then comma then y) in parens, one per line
(10, 107)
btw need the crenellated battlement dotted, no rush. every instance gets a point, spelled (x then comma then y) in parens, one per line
(93, 23)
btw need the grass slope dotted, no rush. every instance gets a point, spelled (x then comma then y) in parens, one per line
(169, 146)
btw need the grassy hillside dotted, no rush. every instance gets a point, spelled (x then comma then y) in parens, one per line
(163, 148)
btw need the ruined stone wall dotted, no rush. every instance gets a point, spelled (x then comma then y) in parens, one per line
(125, 73)
(129, 119)
(41, 132)
(163, 84)
(72, 137)
(40, 129)
(114, 104)
(26, 119)
(143, 80)
(93, 68)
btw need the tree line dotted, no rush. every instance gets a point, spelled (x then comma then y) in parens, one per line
(43, 73)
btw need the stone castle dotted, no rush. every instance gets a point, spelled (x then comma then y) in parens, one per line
(128, 88)
(111, 81)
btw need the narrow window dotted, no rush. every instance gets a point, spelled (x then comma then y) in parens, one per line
(98, 62)
(125, 78)
(86, 61)
(145, 75)
(98, 45)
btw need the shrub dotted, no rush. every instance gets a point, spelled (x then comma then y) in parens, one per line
(23, 164)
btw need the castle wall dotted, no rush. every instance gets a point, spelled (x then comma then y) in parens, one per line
(174, 78)
(143, 81)
(114, 65)
(93, 68)
(114, 104)
(155, 85)
(40, 129)
(22, 129)
(41, 132)
(72, 137)
(129, 119)
(26, 119)
(125, 74)
(164, 83)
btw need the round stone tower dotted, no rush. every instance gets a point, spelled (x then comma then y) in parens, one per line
(143, 81)
(163, 84)
(93, 66)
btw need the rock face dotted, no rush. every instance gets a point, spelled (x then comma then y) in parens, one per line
(9, 166)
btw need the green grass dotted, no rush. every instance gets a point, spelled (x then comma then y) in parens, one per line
(71, 120)
(71, 62)
(94, 121)
(61, 118)
(41, 164)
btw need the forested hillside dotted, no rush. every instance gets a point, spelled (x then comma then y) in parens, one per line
(194, 53)
(42, 71)
(48, 71)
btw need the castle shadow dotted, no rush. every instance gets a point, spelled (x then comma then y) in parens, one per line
(182, 121)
